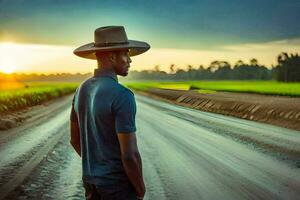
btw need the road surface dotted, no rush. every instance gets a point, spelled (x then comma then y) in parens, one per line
(187, 154)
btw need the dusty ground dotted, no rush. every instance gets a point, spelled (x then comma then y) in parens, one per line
(10, 120)
(276, 110)
(187, 154)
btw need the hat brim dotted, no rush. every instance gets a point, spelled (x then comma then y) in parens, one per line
(89, 50)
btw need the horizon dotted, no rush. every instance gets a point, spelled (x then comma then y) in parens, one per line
(44, 59)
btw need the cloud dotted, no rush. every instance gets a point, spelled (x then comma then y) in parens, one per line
(283, 45)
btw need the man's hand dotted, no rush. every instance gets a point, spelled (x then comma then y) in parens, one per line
(132, 162)
(140, 198)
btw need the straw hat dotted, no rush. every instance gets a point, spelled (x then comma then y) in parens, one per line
(110, 38)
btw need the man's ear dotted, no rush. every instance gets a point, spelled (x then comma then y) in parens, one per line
(112, 57)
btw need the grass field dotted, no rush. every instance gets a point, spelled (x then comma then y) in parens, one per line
(260, 87)
(14, 96)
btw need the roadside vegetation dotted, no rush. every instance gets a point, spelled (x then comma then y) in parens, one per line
(16, 95)
(259, 87)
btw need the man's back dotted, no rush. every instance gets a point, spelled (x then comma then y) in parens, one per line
(103, 108)
(103, 119)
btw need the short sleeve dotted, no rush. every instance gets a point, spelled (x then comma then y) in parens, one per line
(124, 109)
(73, 116)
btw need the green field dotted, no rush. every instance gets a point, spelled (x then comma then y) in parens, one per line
(260, 87)
(32, 93)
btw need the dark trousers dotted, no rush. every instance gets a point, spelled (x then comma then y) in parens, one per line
(115, 192)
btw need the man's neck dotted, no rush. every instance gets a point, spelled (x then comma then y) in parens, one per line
(106, 71)
(106, 68)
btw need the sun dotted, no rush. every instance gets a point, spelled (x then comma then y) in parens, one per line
(8, 59)
(7, 64)
(8, 69)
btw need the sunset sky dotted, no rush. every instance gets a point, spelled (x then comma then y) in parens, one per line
(40, 36)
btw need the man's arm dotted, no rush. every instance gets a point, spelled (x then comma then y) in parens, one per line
(132, 162)
(124, 108)
(74, 128)
(75, 137)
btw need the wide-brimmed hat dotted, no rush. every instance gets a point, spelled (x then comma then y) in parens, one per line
(111, 38)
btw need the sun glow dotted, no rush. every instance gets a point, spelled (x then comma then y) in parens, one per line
(7, 62)
(37, 58)
(8, 69)
(7, 66)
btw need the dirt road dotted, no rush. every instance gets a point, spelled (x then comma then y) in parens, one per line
(187, 154)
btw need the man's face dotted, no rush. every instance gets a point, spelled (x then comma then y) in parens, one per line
(122, 62)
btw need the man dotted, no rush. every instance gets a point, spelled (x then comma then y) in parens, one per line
(103, 119)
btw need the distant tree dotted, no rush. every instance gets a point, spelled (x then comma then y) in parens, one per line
(192, 73)
(224, 71)
(252, 71)
(189, 68)
(253, 62)
(213, 66)
(180, 74)
(201, 68)
(172, 68)
(221, 69)
(200, 72)
(239, 63)
(156, 68)
(288, 68)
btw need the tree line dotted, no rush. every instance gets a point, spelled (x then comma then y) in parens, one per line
(286, 70)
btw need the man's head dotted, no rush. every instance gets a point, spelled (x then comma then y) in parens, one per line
(119, 61)
(112, 49)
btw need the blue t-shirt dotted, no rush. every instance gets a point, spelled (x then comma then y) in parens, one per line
(103, 107)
